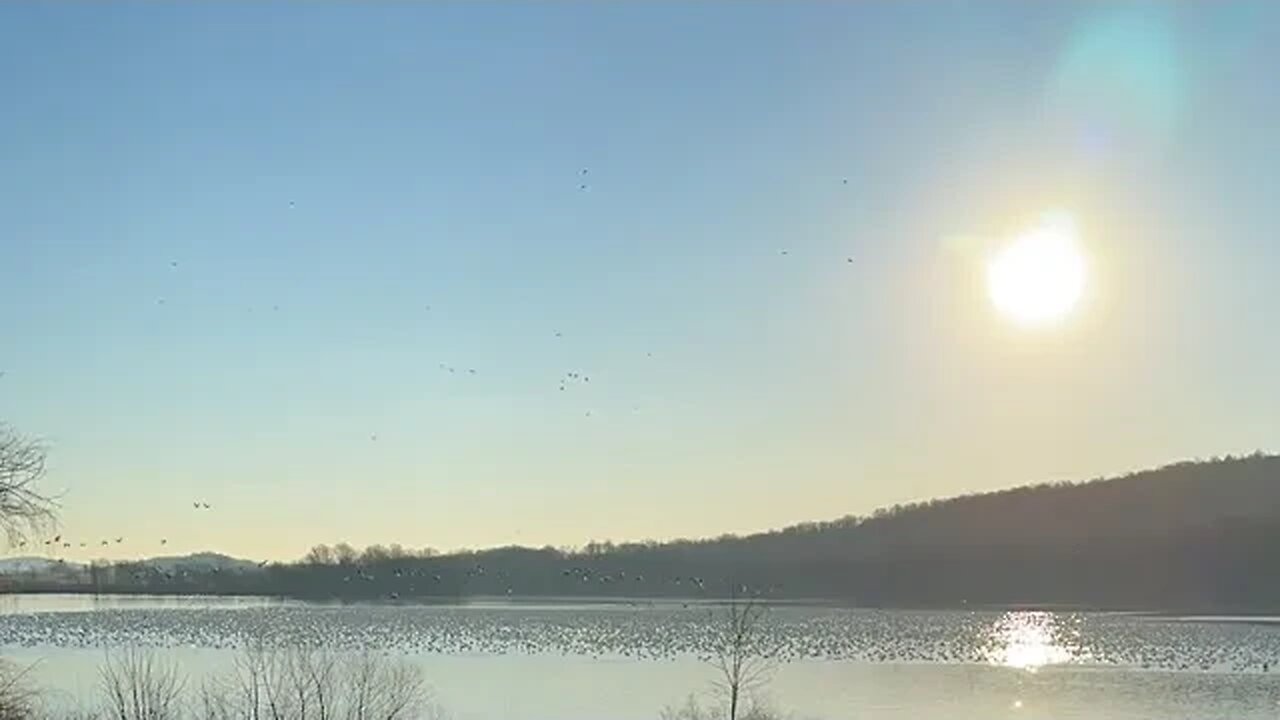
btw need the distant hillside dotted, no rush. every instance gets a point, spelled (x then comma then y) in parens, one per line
(196, 562)
(201, 562)
(32, 565)
(1189, 535)
(1194, 535)
(52, 573)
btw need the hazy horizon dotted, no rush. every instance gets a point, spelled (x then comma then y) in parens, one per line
(32, 548)
(329, 271)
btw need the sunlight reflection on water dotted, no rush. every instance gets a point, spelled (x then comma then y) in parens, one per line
(1032, 640)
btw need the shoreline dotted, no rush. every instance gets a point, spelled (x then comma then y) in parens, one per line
(1258, 615)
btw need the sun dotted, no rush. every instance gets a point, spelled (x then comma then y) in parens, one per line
(1038, 277)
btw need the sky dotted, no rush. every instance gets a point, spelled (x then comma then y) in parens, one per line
(241, 246)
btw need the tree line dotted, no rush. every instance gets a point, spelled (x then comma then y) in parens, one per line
(1188, 535)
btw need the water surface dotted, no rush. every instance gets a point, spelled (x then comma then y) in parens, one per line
(500, 659)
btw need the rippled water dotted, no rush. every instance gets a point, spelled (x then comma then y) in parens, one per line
(516, 660)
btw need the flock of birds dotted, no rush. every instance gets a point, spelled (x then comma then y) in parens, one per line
(656, 631)
(59, 542)
(421, 583)
(56, 543)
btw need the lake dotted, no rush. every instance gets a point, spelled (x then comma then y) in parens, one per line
(509, 659)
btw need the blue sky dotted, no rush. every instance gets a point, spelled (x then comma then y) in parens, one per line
(240, 241)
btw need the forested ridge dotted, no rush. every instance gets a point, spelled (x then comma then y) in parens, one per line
(1192, 535)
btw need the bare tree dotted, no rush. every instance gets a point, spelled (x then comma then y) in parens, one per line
(139, 686)
(344, 554)
(319, 555)
(741, 662)
(24, 509)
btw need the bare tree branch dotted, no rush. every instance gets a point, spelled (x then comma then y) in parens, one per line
(24, 508)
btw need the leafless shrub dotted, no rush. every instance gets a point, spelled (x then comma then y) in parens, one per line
(137, 685)
(758, 710)
(312, 684)
(292, 684)
(251, 689)
(692, 709)
(19, 697)
(385, 690)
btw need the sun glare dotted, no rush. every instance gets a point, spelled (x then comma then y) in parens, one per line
(1031, 640)
(1037, 278)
